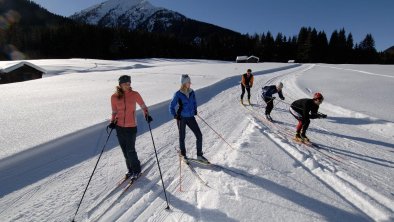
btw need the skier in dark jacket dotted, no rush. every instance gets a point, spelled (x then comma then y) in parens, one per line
(267, 96)
(184, 107)
(246, 83)
(304, 110)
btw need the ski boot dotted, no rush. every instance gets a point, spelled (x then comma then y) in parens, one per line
(249, 102)
(128, 175)
(242, 101)
(305, 139)
(184, 158)
(135, 175)
(298, 138)
(268, 117)
(202, 159)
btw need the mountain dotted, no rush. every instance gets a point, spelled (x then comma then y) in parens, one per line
(142, 15)
(28, 31)
(390, 50)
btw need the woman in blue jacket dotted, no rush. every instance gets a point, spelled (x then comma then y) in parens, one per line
(184, 107)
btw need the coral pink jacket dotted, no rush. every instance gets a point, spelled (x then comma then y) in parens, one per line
(123, 109)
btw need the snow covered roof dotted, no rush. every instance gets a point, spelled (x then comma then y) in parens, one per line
(247, 57)
(252, 56)
(242, 57)
(6, 67)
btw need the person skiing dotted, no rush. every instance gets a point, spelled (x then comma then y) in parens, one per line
(123, 119)
(268, 91)
(304, 110)
(246, 83)
(183, 108)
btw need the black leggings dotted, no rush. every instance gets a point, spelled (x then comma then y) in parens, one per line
(192, 124)
(126, 138)
(243, 91)
(270, 105)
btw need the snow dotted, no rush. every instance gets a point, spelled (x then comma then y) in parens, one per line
(54, 128)
(136, 11)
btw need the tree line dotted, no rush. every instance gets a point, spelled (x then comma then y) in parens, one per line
(311, 46)
(28, 31)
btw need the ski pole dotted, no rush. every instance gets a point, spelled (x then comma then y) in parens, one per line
(91, 176)
(180, 174)
(221, 137)
(158, 164)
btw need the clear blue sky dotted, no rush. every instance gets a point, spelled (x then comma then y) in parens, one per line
(359, 17)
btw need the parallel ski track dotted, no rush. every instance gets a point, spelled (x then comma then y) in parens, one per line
(340, 160)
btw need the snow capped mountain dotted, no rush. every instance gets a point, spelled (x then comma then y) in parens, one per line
(130, 14)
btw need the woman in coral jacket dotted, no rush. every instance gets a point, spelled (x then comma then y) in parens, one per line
(123, 103)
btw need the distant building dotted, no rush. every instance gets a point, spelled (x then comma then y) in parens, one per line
(246, 59)
(291, 61)
(19, 71)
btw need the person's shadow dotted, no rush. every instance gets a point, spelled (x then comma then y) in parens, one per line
(356, 121)
(329, 212)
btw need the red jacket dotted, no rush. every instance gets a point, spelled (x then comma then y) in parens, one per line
(123, 109)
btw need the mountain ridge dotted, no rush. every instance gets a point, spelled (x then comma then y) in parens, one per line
(142, 15)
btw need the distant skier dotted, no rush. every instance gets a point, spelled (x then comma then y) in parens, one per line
(123, 103)
(246, 83)
(267, 95)
(304, 110)
(183, 107)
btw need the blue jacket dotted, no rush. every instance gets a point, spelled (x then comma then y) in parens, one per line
(182, 105)
(268, 91)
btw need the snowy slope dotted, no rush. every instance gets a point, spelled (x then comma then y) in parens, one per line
(263, 174)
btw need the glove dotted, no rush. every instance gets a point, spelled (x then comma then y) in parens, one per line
(323, 116)
(177, 117)
(195, 112)
(111, 125)
(148, 118)
(283, 98)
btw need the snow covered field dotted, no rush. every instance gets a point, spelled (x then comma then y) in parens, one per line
(54, 128)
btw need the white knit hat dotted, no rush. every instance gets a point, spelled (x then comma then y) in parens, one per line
(185, 79)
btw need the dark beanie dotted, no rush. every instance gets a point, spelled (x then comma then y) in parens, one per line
(124, 78)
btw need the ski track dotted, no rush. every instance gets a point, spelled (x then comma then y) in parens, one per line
(145, 201)
(371, 202)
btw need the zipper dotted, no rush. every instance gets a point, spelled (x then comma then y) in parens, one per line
(125, 108)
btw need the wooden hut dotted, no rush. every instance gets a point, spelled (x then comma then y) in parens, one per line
(19, 71)
(246, 59)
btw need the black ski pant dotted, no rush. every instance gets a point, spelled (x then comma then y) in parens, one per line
(303, 123)
(126, 137)
(243, 91)
(270, 105)
(192, 124)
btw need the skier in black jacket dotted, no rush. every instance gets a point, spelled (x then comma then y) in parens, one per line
(268, 91)
(304, 110)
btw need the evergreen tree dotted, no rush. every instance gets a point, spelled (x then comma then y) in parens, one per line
(303, 45)
(366, 50)
(349, 48)
(321, 47)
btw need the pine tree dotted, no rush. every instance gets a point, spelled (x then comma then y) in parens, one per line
(366, 50)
